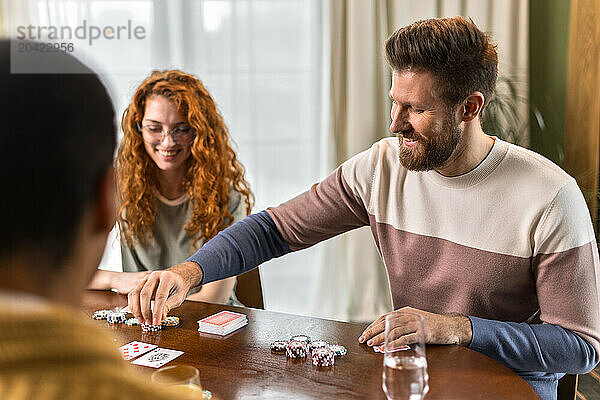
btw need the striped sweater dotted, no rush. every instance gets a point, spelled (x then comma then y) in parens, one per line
(509, 244)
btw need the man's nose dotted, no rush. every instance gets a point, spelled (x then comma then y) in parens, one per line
(399, 123)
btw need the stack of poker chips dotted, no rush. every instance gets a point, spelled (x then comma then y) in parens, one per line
(120, 317)
(323, 357)
(117, 317)
(300, 346)
(150, 327)
(170, 321)
(279, 346)
(296, 349)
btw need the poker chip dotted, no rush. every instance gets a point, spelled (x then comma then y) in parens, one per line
(301, 338)
(323, 357)
(101, 314)
(338, 349)
(132, 322)
(317, 344)
(151, 328)
(279, 346)
(116, 317)
(296, 349)
(170, 321)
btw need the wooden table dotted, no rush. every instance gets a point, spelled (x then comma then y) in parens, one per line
(241, 365)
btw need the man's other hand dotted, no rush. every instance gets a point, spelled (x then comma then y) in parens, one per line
(439, 329)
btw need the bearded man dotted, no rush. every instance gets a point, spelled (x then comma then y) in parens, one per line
(490, 242)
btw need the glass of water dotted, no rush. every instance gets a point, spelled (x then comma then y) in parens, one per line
(404, 367)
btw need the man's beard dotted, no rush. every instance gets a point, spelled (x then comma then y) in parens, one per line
(434, 152)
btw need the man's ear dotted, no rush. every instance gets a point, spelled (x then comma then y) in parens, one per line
(105, 208)
(472, 106)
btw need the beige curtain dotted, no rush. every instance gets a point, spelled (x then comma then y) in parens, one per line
(353, 283)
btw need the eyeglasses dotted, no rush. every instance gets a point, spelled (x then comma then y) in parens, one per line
(154, 134)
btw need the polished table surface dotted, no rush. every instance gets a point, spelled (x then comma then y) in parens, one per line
(241, 365)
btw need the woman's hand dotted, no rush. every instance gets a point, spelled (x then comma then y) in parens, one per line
(121, 282)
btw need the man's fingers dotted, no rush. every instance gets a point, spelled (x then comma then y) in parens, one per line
(377, 339)
(174, 301)
(402, 330)
(375, 328)
(146, 295)
(162, 294)
(133, 299)
(402, 341)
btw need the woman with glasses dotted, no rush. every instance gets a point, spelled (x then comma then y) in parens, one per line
(179, 182)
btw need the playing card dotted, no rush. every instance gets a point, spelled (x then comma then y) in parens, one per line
(380, 349)
(157, 357)
(134, 349)
(221, 319)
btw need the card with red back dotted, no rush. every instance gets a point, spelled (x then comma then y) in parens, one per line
(380, 349)
(222, 318)
(134, 349)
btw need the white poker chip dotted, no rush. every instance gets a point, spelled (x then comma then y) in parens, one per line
(101, 314)
(338, 349)
(116, 317)
(301, 338)
(132, 322)
(317, 344)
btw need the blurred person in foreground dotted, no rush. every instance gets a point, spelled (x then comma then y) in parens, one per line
(58, 207)
(179, 182)
(490, 242)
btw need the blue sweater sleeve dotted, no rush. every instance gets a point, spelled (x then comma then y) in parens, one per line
(533, 347)
(240, 248)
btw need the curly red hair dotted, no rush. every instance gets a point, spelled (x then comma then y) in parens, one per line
(212, 169)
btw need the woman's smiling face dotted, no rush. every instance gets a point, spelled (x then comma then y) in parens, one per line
(162, 113)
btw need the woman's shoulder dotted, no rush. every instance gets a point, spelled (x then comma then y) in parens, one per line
(237, 205)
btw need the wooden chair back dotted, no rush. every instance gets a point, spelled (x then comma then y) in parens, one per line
(249, 289)
(567, 387)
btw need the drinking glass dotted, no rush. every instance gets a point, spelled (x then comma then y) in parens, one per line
(182, 378)
(404, 370)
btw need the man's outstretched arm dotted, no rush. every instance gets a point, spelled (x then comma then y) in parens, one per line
(325, 210)
(235, 250)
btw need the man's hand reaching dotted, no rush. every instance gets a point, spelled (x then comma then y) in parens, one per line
(168, 289)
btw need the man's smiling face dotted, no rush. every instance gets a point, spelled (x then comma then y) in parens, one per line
(425, 125)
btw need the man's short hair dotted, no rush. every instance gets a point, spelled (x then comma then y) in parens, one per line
(459, 55)
(58, 139)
